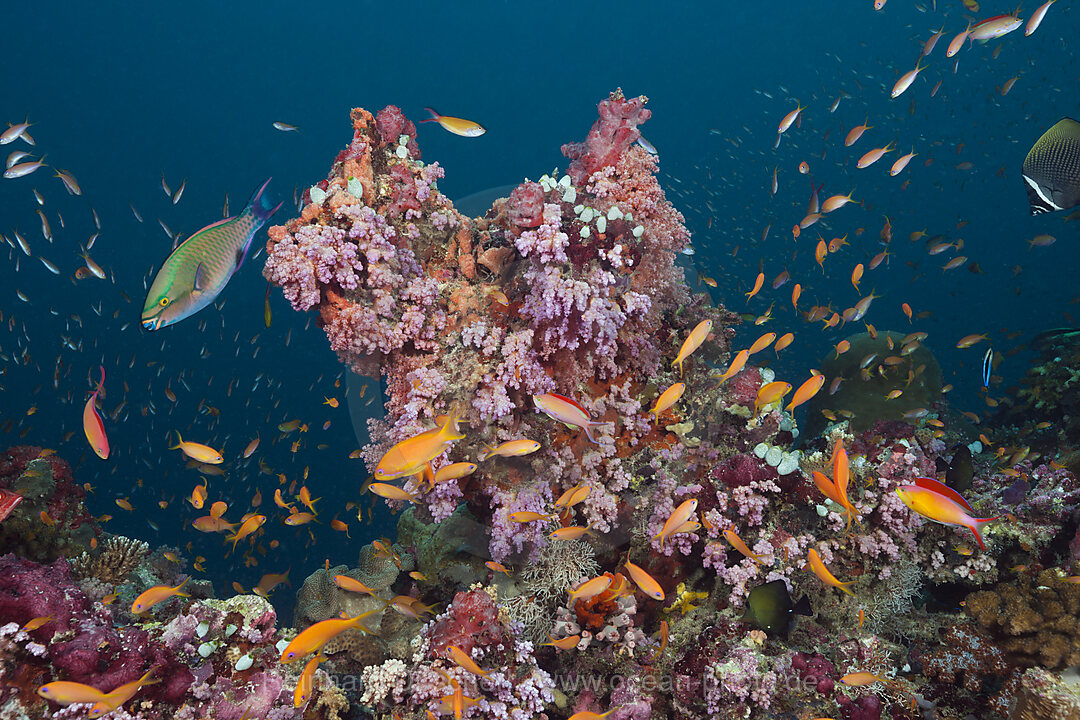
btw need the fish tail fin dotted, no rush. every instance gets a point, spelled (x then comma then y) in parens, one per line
(434, 115)
(450, 427)
(976, 523)
(179, 441)
(844, 586)
(588, 429)
(260, 204)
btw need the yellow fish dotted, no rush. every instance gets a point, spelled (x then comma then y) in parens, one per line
(667, 398)
(392, 492)
(249, 526)
(645, 582)
(412, 455)
(463, 659)
(770, 394)
(313, 638)
(306, 681)
(155, 595)
(458, 126)
(819, 569)
(511, 448)
(197, 451)
(693, 342)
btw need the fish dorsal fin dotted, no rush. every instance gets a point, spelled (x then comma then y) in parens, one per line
(198, 285)
(943, 489)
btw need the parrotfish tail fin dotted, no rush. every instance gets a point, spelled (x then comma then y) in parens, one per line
(260, 204)
(975, 529)
(434, 115)
(262, 210)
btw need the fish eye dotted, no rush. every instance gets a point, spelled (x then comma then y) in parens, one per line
(164, 301)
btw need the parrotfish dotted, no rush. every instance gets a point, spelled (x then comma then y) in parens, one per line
(199, 269)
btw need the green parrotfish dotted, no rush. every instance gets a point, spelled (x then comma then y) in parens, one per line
(199, 269)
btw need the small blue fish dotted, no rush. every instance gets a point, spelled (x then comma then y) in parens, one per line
(197, 271)
(988, 366)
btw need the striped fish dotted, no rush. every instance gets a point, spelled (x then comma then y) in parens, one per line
(1052, 169)
(199, 269)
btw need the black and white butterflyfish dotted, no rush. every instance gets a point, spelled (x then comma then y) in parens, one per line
(1052, 169)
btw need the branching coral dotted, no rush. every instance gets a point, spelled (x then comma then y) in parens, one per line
(112, 562)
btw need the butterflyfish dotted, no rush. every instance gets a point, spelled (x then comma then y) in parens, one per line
(1052, 169)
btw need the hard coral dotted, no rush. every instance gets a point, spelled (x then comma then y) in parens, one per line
(1036, 621)
(113, 560)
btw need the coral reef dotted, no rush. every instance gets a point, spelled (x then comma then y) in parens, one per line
(112, 561)
(51, 521)
(595, 557)
(1034, 619)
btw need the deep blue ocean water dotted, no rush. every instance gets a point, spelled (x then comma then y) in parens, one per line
(122, 93)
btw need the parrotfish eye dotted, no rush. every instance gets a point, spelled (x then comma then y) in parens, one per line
(164, 301)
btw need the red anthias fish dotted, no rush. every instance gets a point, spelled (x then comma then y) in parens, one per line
(8, 501)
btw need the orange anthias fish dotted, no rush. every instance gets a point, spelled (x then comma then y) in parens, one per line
(155, 595)
(679, 516)
(591, 588)
(313, 638)
(411, 456)
(645, 582)
(737, 542)
(249, 526)
(453, 471)
(511, 448)
(306, 681)
(770, 394)
(64, 692)
(198, 451)
(347, 583)
(113, 700)
(942, 504)
(736, 366)
(806, 391)
(693, 342)
(457, 701)
(667, 398)
(465, 660)
(819, 569)
(93, 425)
